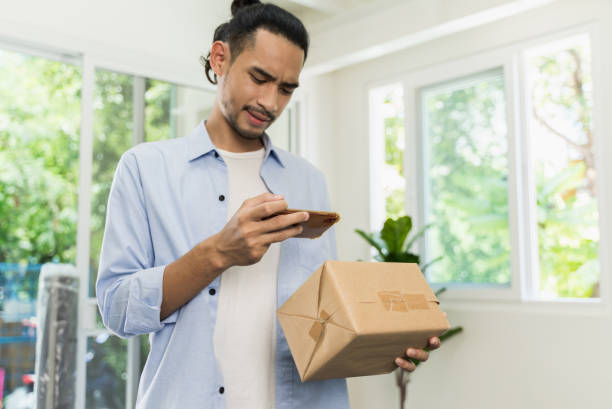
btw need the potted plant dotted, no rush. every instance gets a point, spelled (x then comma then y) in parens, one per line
(393, 244)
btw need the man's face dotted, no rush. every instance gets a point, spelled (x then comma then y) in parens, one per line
(259, 83)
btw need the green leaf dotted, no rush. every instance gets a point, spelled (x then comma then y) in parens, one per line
(402, 257)
(394, 232)
(374, 241)
(450, 333)
(440, 291)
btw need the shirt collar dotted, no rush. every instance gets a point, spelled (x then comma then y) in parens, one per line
(199, 144)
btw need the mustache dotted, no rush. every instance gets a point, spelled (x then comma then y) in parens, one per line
(261, 111)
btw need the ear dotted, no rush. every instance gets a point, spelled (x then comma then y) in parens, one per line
(219, 58)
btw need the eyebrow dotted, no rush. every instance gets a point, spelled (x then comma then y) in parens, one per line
(270, 77)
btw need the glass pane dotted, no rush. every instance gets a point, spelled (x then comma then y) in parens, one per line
(99, 323)
(172, 110)
(466, 169)
(393, 174)
(159, 99)
(387, 154)
(191, 105)
(106, 372)
(145, 347)
(39, 141)
(561, 136)
(113, 103)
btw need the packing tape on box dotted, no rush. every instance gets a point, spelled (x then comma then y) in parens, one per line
(316, 331)
(403, 302)
(392, 301)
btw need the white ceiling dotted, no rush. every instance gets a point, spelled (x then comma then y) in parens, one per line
(317, 12)
(325, 7)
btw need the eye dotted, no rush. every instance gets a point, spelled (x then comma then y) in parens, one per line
(286, 91)
(257, 80)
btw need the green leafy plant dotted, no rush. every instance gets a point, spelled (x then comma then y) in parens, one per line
(393, 244)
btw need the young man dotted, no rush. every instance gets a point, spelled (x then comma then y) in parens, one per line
(193, 253)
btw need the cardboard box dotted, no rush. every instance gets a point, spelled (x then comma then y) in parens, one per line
(354, 318)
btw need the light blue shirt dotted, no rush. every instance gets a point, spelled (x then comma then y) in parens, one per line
(165, 198)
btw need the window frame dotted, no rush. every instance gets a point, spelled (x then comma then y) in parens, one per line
(523, 290)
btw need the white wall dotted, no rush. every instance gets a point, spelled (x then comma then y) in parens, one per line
(318, 143)
(511, 355)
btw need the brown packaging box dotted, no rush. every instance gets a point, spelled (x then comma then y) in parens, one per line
(354, 318)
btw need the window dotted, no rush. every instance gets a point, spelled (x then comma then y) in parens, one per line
(465, 154)
(39, 166)
(561, 140)
(506, 168)
(159, 100)
(387, 123)
(42, 170)
(106, 372)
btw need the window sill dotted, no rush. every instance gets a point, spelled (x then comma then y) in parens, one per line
(455, 301)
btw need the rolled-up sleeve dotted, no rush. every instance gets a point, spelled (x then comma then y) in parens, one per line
(129, 286)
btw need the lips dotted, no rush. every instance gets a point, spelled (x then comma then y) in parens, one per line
(256, 118)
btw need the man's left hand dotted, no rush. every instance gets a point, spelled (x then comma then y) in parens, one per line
(417, 354)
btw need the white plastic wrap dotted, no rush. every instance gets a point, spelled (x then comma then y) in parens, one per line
(56, 343)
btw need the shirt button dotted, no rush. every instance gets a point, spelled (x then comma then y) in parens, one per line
(212, 291)
(221, 389)
(221, 198)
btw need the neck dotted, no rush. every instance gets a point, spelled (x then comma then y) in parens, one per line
(224, 137)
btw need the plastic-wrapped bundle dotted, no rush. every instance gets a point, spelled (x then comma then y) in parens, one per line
(56, 344)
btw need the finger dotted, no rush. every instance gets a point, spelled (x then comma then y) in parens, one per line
(281, 222)
(418, 354)
(262, 198)
(282, 235)
(267, 209)
(434, 343)
(445, 315)
(404, 364)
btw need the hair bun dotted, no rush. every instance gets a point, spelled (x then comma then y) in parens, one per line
(239, 4)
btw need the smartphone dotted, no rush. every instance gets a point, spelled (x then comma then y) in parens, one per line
(317, 223)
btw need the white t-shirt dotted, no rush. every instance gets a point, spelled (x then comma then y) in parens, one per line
(245, 331)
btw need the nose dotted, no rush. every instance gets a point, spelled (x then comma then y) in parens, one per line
(268, 98)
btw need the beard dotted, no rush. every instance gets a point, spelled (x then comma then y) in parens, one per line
(232, 119)
(243, 133)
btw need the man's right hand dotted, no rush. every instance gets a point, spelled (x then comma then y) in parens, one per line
(243, 241)
(249, 233)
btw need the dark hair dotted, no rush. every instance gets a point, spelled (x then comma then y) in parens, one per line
(247, 17)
